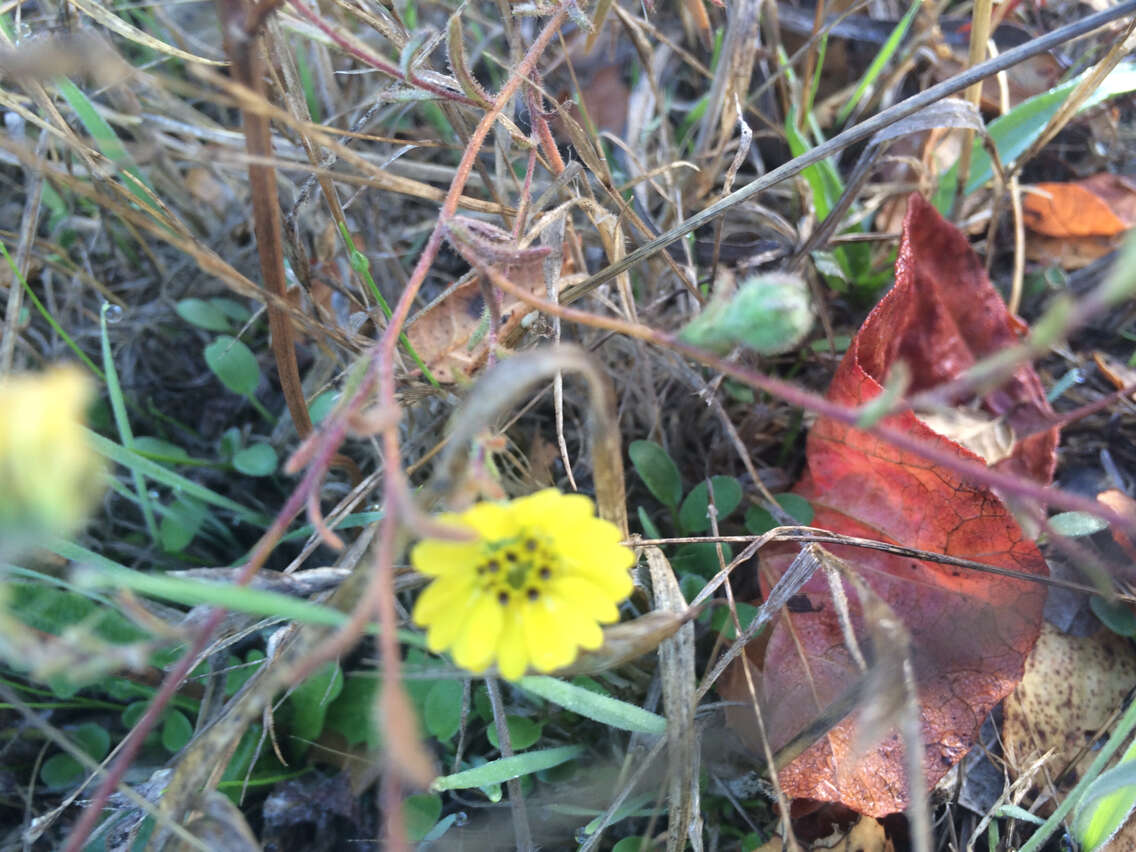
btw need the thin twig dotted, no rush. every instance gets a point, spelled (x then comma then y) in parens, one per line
(516, 798)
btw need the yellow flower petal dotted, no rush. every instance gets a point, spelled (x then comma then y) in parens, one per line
(477, 644)
(559, 570)
(573, 621)
(445, 597)
(550, 646)
(583, 540)
(584, 630)
(442, 633)
(549, 510)
(492, 521)
(512, 653)
(435, 557)
(49, 473)
(615, 583)
(586, 596)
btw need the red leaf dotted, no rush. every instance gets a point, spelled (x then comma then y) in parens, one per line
(970, 631)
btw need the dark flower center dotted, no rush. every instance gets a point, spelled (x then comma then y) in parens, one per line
(519, 565)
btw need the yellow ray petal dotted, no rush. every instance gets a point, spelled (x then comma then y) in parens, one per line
(444, 597)
(477, 643)
(585, 595)
(548, 645)
(512, 653)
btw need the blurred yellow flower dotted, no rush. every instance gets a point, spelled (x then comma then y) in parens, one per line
(530, 591)
(49, 474)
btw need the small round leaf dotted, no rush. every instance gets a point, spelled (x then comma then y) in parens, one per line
(700, 558)
(522, 732)
(759, 520)
(694, 516)
(421, 813)
(322, 405)
(203, 314)
(177, 730)
(257, 460)
(442, 710)
(649, 528)
(1075, 524)
(234, 364)
(92, 738)
(231, 308)
(1116, 616)
(657, 470)
(60, 770)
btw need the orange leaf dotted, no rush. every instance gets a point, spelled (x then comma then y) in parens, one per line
(1103, 205)
(970, 632)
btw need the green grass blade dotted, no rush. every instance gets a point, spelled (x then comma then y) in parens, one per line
(1014, 132)
(358, 519)
(601, 708)
(108, 143)
(98, 572)
(55, 326)
(122, 422)
(507, 768)
(1107, 803)
(133, 461)
(1118, 737)
(361, 264)
(879, 62)
(814, 84)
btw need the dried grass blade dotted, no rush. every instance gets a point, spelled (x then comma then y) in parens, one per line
(128, 31)
(676, 668)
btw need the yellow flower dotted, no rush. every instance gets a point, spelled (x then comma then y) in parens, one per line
(49, 474)
(530, 591)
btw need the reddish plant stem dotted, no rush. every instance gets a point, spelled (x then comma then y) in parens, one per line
(133, 741)
(972, 472)
(375, 62)
(526, 197)
(384, 608)
(1090, 408)
(381, 366)
(544, 132)
(378, 597)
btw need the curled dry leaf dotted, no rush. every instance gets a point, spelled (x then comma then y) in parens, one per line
(451, 334)
(970, 632)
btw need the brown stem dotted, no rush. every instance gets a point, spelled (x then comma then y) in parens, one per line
(244, 51)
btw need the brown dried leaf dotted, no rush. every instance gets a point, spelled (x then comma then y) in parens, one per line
(867, 834)
(451, 335)
(1070, 689)
(1103, 205)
